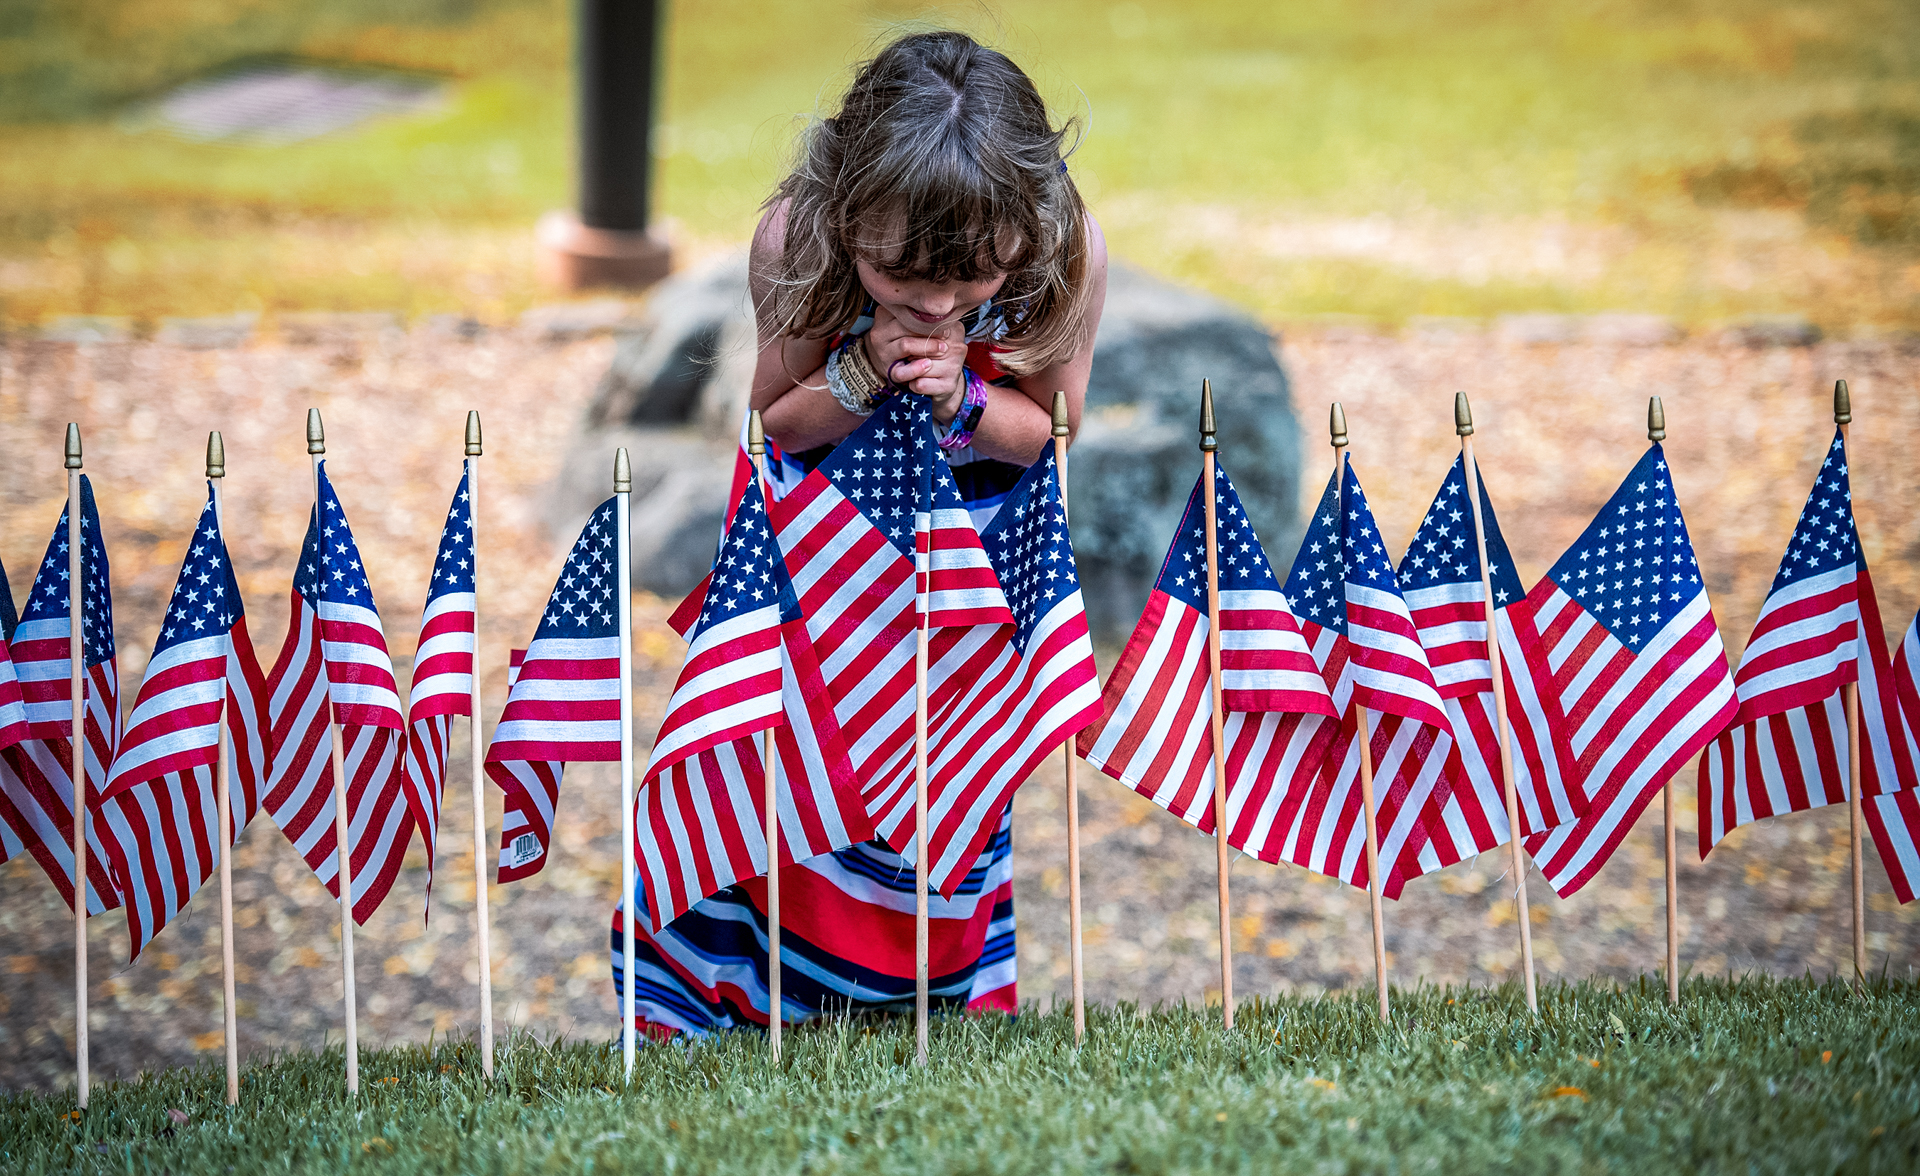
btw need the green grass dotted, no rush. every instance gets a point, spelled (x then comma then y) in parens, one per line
(1748, 1076)
(1706, 157)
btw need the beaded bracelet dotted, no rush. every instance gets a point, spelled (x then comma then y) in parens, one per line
(972, 406)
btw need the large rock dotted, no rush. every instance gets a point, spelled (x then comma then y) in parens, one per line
(677, 388)
(1137, 456)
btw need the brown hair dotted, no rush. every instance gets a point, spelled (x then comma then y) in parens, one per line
(942, 165)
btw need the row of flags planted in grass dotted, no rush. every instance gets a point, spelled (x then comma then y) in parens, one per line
(1615, 679)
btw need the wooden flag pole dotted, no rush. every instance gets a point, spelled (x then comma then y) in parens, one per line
(1209, 443)
(77, 688)
(1850, 699)
(223, 799)
(482, 924)
(776, 1012)
(1463, 425)
(1656, 433)
(623, 496)
(1062, 428)
(342, 826)
(1337, 430)
(776, 1009)
(923, 569)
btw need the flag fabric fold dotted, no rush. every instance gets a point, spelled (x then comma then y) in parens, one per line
(1893, 817)
(1155, 731)
(202, 682)
(564, 704)
(750, 666)
(1637, 662)
(1787, 748)
(13, 705)
(36, 773)
(442, 686)
(1440, 575)
(334, 662)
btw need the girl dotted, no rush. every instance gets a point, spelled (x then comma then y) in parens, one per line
(930, 242)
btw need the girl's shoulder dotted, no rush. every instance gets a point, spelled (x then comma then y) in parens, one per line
(769, 237)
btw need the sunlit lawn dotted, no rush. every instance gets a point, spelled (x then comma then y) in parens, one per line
(1382, 159)
(1754, 1076)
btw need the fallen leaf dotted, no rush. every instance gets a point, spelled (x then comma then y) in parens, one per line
(1221, 1117)
(377, 1147)
(1826, 1055)
(1569, 1092)
(178, 1116)
(1322, 1083)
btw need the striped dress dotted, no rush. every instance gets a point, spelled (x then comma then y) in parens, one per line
(846, 925)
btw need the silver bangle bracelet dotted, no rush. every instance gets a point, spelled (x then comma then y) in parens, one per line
(849, 399)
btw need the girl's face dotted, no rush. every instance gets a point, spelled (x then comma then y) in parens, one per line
(925, 306)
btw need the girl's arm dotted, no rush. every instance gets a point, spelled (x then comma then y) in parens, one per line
(790, 378)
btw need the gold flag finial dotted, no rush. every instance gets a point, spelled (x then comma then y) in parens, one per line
(216, 455)
(1209, 439)
(473, 432)
(1462, 415)
(1061, 426)
(73, 445)
(622, 472)
(1842, 403)
(1337, 424)
(1656, 420)
(756, 433)
(316, 435)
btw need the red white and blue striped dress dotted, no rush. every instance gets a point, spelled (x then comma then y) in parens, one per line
(846, 918)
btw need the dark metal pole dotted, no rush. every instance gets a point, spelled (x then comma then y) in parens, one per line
(615, 43)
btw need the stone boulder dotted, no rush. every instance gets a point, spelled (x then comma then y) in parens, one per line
(1137, 456)
(677, 389)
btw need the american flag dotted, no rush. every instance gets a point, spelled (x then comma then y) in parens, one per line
(1022, 689)
(442, 670)
(1155, 733)
(336, 652)
(1637, 662)
(36, 781)
(1440, 576)
(1894, 817)
(162, 802)
(784, 472)
(1787, 749)
(848, 531)
(13, 707)
(564, 705)
(1344, 591)
(750, 666)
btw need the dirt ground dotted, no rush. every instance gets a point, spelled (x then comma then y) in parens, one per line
(1559, 425)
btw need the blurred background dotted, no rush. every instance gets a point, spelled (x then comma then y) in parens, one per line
(1704, 159)
(216, 213)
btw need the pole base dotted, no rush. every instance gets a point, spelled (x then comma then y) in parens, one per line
(574, 256)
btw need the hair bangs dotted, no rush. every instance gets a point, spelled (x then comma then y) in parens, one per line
(939, 216)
